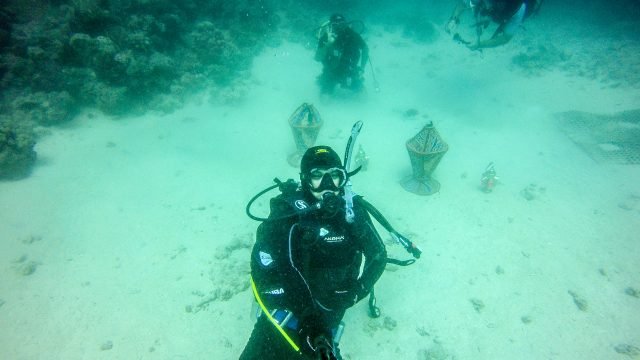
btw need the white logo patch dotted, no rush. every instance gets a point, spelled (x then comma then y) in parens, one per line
(275, 291)
(334, 239)
(265, 258)
(300, 204)
(323, 231)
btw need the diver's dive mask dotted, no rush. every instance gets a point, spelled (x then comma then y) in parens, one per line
(332, 179)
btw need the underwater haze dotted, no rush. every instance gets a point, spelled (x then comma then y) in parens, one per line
(133, 133)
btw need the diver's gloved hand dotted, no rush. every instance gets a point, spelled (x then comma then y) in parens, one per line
(313, 334)
(323, 348)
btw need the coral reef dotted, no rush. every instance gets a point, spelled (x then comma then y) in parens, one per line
(17, 140)
(119, 56)
(50, 108)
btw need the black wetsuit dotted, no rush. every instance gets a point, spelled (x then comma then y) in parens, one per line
(506, 13)
(309, 265)
(502, 11)
(342, 60)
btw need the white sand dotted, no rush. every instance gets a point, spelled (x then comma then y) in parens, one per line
(128, 219)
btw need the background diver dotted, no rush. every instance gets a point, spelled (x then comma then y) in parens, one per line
(508, 14)
(343, 54)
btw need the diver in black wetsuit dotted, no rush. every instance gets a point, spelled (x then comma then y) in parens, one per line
(508, 14)
(343, 54)
(305, 264)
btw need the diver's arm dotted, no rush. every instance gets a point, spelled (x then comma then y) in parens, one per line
(267, 262)
(374, 252)
(278, 283)
(496, 40)
(364, 56)
(321, 51)
(279, 287)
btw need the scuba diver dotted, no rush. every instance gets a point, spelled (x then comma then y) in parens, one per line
(343, 54)
(306, 262)
(508, 14)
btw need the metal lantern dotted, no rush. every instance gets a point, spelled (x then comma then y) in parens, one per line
(305, 125)
(425, 149)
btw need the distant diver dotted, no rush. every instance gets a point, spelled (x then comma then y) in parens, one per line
(508, 14)
(343, 54)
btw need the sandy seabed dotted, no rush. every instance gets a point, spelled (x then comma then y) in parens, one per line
(129, 240)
